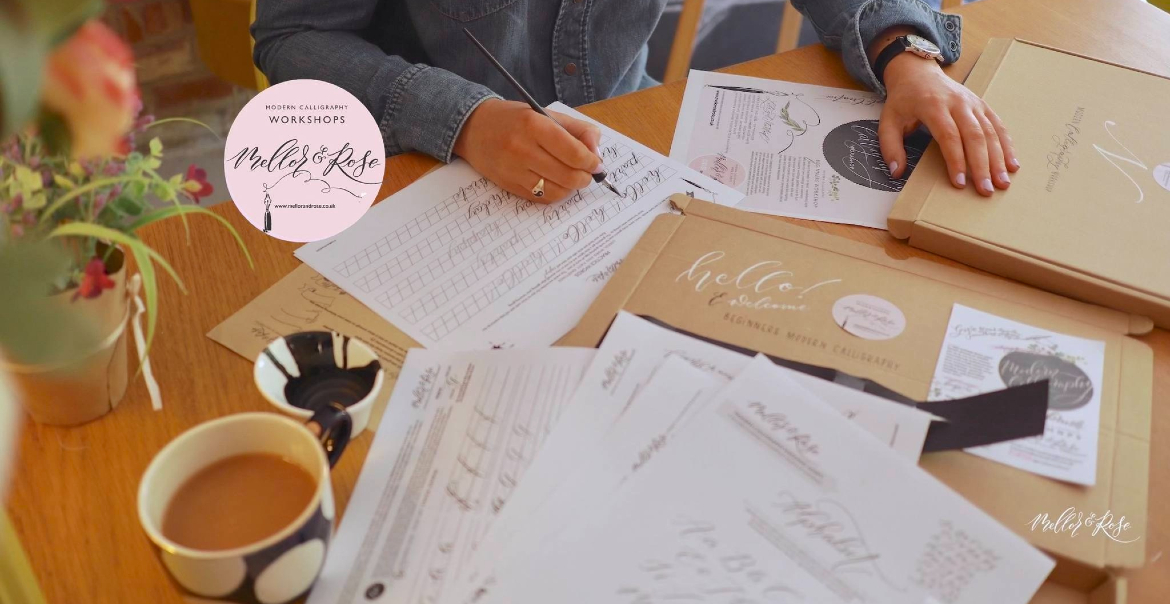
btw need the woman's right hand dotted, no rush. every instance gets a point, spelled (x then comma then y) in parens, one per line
(515, 147)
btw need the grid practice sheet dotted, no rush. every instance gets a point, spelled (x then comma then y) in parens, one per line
(458, 263)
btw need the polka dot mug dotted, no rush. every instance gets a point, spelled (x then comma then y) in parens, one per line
(279, 568)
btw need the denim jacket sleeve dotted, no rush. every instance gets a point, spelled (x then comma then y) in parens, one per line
(851, 25)
(417, 107)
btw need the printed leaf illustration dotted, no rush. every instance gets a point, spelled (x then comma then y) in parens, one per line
(787, 119)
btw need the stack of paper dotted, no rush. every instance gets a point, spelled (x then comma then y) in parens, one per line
(656, 468)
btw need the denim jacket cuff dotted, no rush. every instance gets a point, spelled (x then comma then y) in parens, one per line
(876, 16)
(426, 108)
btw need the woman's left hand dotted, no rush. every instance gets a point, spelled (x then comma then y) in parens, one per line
(974, 142)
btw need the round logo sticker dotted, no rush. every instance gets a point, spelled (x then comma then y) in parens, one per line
(869, 317)
(721, 168)
(1068, 386)
(1162, 175)
(304, 160)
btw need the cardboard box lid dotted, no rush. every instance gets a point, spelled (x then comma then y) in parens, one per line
(1086, 214)
(659, 279)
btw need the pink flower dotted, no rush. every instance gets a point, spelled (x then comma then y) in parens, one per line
(197, 186)
(94, 280)
(90, 82)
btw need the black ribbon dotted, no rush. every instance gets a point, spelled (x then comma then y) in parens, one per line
(983, 419)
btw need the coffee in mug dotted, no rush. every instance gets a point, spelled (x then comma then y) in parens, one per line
(237, 501)
(240, 509)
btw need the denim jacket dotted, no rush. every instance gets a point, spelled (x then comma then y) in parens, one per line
(409, 62)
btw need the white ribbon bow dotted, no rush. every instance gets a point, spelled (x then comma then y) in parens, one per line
(140, 342)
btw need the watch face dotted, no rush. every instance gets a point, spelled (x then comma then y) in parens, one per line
(923, 46)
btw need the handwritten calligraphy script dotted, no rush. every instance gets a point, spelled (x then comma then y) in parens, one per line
(739, 289)
(704, 567)
(300, 162)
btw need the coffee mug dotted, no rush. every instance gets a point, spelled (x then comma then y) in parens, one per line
(276, 569)
(302, 372)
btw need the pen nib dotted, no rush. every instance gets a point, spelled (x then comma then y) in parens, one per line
(610, 186)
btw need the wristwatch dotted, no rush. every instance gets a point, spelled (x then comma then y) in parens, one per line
(911, 43)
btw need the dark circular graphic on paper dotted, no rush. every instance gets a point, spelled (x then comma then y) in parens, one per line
(853, 151)
(1068, 387)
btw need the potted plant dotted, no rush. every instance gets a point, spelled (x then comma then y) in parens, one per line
(78, 183)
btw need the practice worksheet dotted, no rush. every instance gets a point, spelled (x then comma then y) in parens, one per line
(769, 498)
(793, 149)
(610, 392)
(984, 352)
(457, 263)
(458, 433)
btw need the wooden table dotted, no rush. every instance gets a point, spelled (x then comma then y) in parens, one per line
(73, 497)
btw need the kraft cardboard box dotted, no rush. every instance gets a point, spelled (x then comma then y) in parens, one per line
(658, 279)
(1086, 215)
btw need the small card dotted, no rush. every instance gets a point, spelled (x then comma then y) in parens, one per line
(983, 352)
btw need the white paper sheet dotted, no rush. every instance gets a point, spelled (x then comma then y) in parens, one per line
(983, 352)
(456, 438)
(793, 149)
(610, 394)
(764, 497)
(459, 264)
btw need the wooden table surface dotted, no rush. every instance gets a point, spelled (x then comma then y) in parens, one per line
(74, 492)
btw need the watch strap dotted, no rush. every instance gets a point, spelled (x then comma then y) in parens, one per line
(898, 46)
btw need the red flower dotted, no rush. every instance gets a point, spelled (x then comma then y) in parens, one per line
(197, 186)
(94, 280)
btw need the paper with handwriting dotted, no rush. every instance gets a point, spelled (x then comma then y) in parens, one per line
(610, 418)
(457, 263)
(793, 149)
(768, 498)
(457, 436)
(304, 300)
(983, 352)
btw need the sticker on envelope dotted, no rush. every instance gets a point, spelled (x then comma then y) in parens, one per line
(869, 317)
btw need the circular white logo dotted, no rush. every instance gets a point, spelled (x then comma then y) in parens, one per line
(869, 317)
(1162, 175)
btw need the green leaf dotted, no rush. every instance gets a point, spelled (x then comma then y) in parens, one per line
(162, 190)
(34, 328)
(128, 206)
(152, 163)
(29, 181)
(28, 30)
(63, 182)
(156, 147)
(35, 201)
(168, 212)
(96, 231)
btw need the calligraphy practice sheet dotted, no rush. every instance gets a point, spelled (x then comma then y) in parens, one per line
(765, 497)
(792, 149)
(611, 393)
(983, 352)
(457, 436)
(458, 263)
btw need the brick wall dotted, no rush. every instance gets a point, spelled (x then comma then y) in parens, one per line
(172, 78)
(174, 82)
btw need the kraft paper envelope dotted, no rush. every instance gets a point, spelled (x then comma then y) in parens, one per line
(702, 272)
(1086, 215)
(303, 300)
